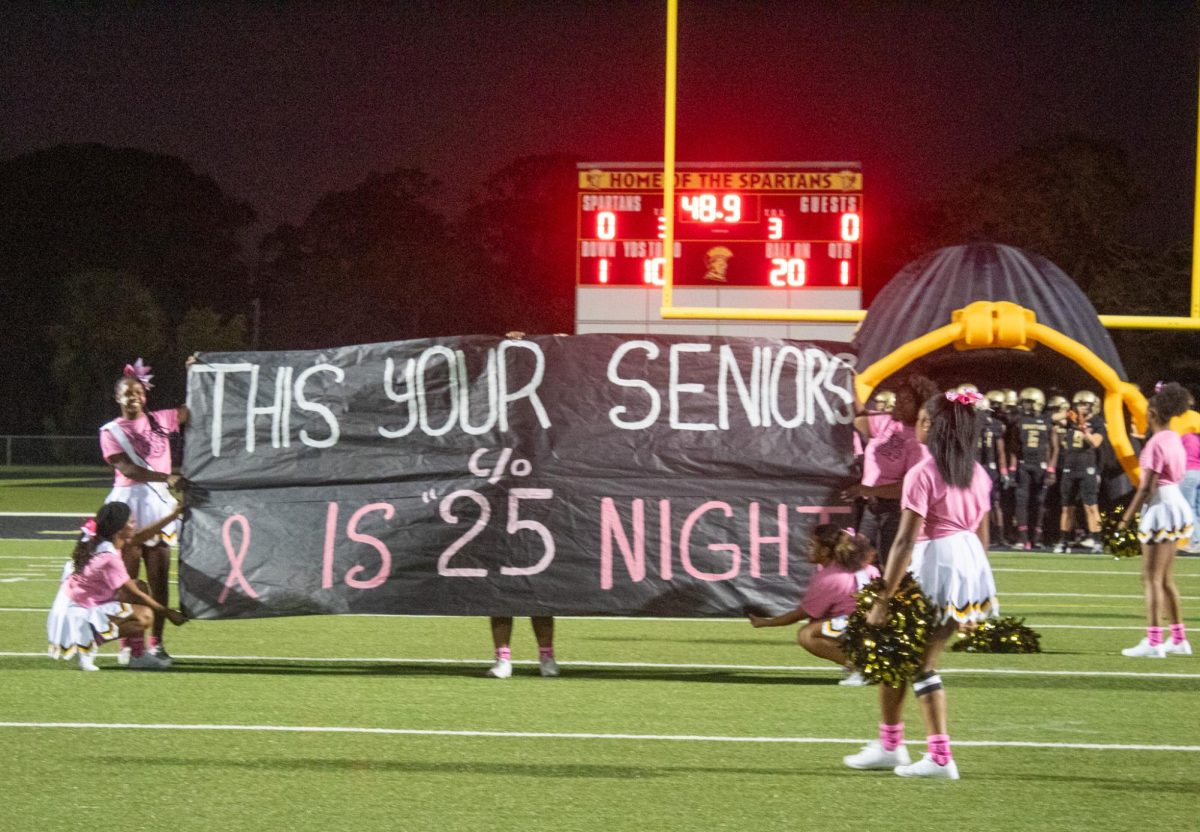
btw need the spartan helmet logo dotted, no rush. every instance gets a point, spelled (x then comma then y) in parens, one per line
(849, 180)
(595, 179)
(716, 264)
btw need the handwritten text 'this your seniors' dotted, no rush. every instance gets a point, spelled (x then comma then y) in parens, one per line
(434, 393)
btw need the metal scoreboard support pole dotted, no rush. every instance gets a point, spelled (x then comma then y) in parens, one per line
(671, 312)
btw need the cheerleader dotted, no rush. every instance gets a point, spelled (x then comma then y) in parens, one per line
(843, 568)
(98, 601)
(891, 448)
(943, 534)
(1166, 521)
(137, 447)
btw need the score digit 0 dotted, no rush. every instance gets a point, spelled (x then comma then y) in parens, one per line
(606, 225)
(851, 228)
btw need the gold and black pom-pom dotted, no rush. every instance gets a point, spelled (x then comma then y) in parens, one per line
(1008, 635)
(1121, 543)
(890, 655)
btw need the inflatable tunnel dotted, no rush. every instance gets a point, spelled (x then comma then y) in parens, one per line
(1005, 317)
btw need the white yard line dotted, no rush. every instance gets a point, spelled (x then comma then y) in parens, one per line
(786, 668)
(571, 735)
(627, 619)
(1080, 572)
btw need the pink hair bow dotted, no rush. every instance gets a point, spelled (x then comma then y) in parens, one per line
(141, 372)
(1158, 386)
(88, 529)
(967, 397)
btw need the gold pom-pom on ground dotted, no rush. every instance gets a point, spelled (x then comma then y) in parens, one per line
(1008, 635)
(1121, 543)
(890, 655)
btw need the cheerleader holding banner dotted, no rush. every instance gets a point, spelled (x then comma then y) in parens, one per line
(137, 446)
(97, 600)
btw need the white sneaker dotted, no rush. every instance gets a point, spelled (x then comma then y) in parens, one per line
(123, 656)
(874, 758)
(502, 669)
(88, 662)
(160, 653)
(926, 767)
(147, 661)
(1061, 549)
(549, 668)
(854, 680)
(1145, 650)
(1180, 649)
(1089, 542)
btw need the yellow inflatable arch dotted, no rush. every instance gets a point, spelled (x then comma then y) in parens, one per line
(1007, 325)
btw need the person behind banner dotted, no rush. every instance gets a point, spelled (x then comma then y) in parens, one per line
(97, 600)
(843, 561)
(137, 446)
(943, 535)
(891, 450)
(543, 631)
(1167, 519)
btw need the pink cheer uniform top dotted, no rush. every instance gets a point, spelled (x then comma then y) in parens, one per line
(831, 591)
(947, 509)
(1164, 454)
(153, 447)
(98, 582)
(1191, 445)
(892, 450)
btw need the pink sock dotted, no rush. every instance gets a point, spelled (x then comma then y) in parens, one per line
(939, 748)
(1177, 635)
(504, 654)
(122, 643)
(152, 641)
(890, 736)
(545, 653)
(137, 645)
(1154, 636)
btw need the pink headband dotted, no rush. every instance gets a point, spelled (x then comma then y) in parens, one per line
(141, 372)
(88, 530)
(967, 397)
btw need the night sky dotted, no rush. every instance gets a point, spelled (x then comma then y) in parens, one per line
(281, 102)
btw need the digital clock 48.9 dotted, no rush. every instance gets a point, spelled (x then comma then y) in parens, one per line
(790, 228)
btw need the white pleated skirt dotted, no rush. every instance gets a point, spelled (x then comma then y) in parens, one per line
(148, 505)
(71, 628)
(1166, 517)
(954, 572)
(835, 627)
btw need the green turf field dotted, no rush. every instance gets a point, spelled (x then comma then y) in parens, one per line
(364, 723)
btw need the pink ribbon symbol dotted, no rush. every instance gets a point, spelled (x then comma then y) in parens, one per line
(236, 558)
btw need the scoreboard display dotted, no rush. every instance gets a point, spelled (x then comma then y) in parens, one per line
(779, 226)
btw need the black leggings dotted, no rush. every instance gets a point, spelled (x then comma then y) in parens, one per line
(1031, 493)
(881, 521)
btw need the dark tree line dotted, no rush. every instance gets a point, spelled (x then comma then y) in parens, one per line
(108, 254)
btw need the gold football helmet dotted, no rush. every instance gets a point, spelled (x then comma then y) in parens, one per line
(1086, 397)
(1032, 394)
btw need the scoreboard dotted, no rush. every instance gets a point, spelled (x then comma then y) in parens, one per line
(784, 227)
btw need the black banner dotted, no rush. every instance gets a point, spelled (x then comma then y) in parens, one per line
(554, 475)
